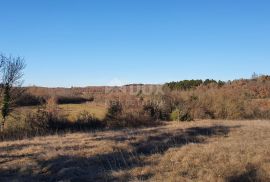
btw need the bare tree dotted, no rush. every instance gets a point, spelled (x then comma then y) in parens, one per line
(2, 60)
(11, 70)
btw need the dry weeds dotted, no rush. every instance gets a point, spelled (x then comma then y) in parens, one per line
(198, 151)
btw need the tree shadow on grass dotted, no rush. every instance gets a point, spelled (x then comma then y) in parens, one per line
(16, 147)
(162, 142)
(252, 174)
(101, 167)
(73, 168)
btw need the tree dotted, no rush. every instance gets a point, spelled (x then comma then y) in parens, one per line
(11, 70)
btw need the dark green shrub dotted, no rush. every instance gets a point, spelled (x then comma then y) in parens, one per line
(208, 81)
(115, 109)
(72, 100)
(192, 84)
(28, 99)
(184, 85)
(178, 115)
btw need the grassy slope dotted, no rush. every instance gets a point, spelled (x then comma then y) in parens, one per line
(196, 151)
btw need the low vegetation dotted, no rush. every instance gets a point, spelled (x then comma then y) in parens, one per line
(208, 150)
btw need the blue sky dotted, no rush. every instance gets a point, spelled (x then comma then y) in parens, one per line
(97, 42)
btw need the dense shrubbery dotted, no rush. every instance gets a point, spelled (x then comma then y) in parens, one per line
(236, 100)
(48, 120)
(36, 123)
(28, 99)
(239, 99)
(157, 110)
(119, 115)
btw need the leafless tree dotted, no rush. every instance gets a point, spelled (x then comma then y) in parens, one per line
(11, 71)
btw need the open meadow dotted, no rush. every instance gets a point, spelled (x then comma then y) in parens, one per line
(71, 111)
(204, 150)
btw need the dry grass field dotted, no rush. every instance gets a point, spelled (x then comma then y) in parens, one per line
(73, 110)
(205, 150)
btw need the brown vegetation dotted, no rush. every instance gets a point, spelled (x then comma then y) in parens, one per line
(70, 143)
(239, 99)
(208, 150)
(139, 105)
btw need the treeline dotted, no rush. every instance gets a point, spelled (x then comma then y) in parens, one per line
(191, 84)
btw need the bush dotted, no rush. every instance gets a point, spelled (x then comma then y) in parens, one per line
(86, 120)
(153, 110)
(45, 121)
(115, 109)
(177, 115)
(39, 122)
(49, 122)
(120, 116)
(186, 117)
(159, 108)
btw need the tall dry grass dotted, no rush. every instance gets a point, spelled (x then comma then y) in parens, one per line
(207, 150)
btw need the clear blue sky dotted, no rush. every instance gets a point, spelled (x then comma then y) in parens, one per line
(92, 42)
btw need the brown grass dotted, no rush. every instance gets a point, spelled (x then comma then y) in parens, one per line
(207, 150)
(73, 110)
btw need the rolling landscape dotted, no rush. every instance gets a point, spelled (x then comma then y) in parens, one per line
(154, 91)
(207, 131)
